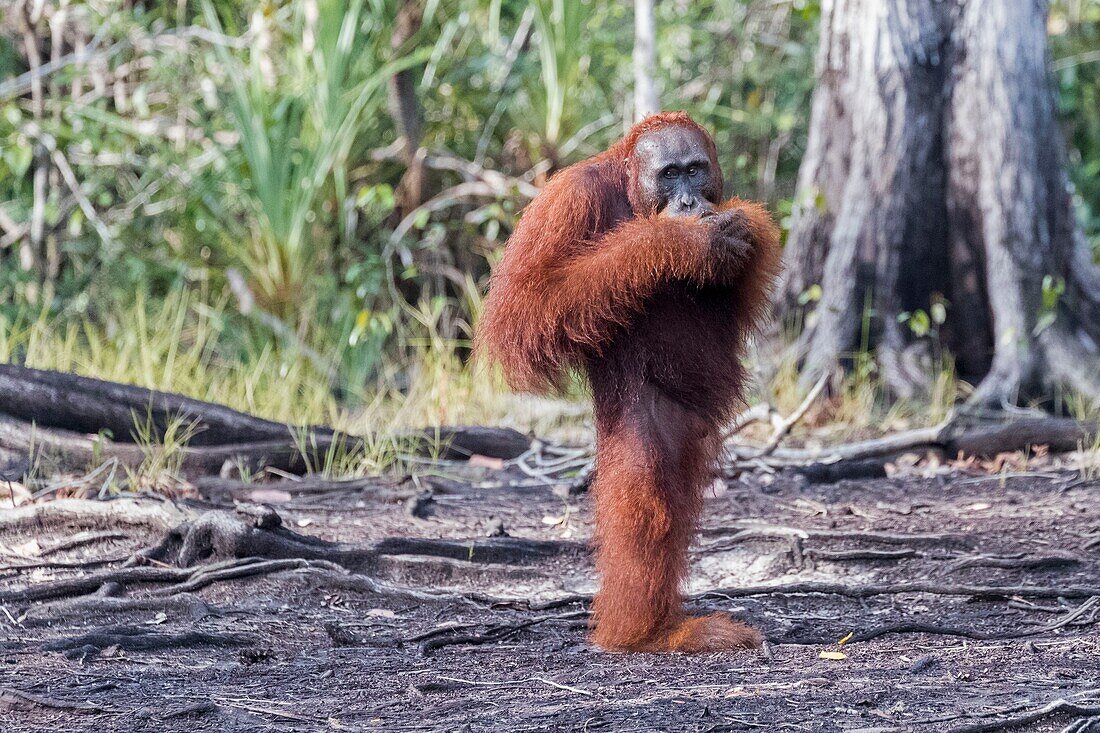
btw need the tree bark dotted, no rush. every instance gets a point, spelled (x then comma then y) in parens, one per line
(405, 110)
(646, 100)
(934, 174)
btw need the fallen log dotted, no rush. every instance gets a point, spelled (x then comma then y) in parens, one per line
(1059, 434)
(69, 451)
(85, 405)
(457, 443)
(72, 423)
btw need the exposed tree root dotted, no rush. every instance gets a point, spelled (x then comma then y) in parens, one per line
(67, 514)
(184, 603)
(750, 530)
(218, 535)
(926, 628)
(848, 590)
(1057, 707)
(244, 568)
(218, 546)
(511, 550)
(142, 638)
(70, 587)
(451, 636)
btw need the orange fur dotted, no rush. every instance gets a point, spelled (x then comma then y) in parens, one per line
(657, 320)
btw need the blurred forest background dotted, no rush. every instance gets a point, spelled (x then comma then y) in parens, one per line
(292, 208)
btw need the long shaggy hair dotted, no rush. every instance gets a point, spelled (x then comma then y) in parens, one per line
(657, 322)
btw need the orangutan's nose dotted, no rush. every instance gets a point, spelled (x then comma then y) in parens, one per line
(684, 205)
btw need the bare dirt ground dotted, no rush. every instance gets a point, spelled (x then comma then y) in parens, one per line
(456, 601)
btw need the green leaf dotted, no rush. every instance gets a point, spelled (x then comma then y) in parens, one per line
(919, 323)
(18, 158)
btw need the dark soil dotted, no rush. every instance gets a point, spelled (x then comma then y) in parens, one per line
(972, 605)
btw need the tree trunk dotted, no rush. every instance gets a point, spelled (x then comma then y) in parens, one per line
(933, 182)
(405, 110)
(646, 101)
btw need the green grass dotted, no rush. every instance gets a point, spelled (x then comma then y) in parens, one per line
(195, 345)
(180, 344)
(185, 344)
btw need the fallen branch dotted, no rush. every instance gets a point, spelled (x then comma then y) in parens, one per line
(887, 445)
(785, 424)
(849, 470)
(781, 426)
(949, 438)
(759, 412)
(1058, 434)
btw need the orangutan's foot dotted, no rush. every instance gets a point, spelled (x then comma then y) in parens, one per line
(691, 635)
(714, 633)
